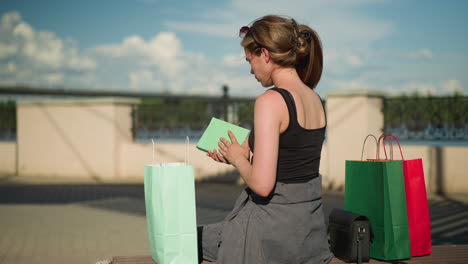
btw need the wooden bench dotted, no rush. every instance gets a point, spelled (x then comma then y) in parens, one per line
(443, 254)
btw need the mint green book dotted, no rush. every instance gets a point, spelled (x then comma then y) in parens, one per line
(218, 129)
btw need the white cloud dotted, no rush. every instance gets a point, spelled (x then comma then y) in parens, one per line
(423, 88)
(158, 63)
(161, 64)
(334, 20)
(164, 51)
(22, 29)
(234, 60)
(354, 60)
(452, 86)
(351, 85)
(364, 82)
(7, 50)
(224, 29)
(54, 78)
(347, 35)
(338, 62)
(419, 87)
(419, 54)
(37, 57)
(445, 88)
(9, 20)
(300, 8)
(163, 46)
(143, 78)
(10, 67)
(425, 53)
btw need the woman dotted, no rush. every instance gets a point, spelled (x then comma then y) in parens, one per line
(279, 217)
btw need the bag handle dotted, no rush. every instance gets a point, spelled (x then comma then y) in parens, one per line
(391, 138)
(187, 152)
(153, 150)
(363, 144)
(382, 138)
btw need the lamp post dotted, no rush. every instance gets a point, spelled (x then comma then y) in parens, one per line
(225, 89)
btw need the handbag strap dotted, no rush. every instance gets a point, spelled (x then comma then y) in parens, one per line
(363, 145)
(390, 137)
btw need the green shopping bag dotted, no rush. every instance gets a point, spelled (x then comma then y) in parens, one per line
(376, 189)
(170, 213)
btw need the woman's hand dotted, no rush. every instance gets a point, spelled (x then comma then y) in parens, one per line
(216, 156)
(230, 152)
(233, 151)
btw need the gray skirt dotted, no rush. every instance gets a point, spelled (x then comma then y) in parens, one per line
(287, 227)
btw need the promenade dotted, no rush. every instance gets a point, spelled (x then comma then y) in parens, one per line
(49, 220)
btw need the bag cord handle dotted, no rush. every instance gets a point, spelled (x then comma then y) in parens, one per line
(187, 152)
(153, 149)
(390, 137)
(363, 144)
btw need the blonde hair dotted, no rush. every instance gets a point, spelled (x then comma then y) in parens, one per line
(289, 44)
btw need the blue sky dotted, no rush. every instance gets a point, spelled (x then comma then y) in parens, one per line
(395, 46)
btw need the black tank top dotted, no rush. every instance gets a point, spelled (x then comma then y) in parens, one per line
(299, 148)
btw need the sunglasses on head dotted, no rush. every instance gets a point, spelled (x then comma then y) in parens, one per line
(243, 31)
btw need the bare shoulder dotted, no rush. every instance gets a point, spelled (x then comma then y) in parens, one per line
(271, 99)
(271, 108)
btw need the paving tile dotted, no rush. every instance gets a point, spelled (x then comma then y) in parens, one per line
(85, 223)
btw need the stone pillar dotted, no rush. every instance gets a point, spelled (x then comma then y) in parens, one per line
(351, 116)
(72, 137)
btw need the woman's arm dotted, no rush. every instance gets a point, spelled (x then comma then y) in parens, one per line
(260, 176)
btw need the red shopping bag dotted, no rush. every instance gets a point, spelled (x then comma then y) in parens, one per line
(416, 202)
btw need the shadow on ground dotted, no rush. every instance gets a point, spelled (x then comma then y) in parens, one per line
(449, 222)
(449, 218)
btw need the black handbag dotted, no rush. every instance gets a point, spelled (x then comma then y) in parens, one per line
(350, 236)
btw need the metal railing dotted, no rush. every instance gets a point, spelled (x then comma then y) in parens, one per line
(160, 116)
(174, 120)
(427, 118)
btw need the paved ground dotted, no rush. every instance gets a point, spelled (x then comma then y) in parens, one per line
(50, 221)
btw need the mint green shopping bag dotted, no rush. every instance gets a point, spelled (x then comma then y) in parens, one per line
(170, 213)
(376, 189)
